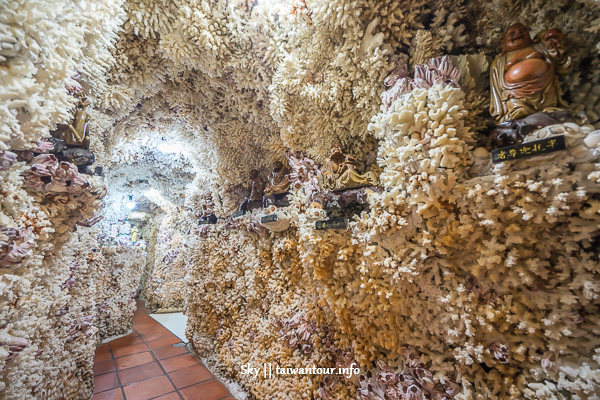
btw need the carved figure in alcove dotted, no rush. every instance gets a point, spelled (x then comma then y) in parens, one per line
(339, 173)
(278, 186)
(524, 77)
(77, 133)
(256, 186)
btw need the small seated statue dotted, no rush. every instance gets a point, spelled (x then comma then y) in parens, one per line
(339, 173)
(278, 187)
(256, 188)
(77, 133)
(208, 209)
(524, 76)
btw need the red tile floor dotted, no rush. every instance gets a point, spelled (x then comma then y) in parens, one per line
(144, 365)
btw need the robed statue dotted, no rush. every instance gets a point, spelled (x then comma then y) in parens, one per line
(524, 76)
(256, 187)
(339, 173)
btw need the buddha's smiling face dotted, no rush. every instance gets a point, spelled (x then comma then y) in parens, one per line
(516, 37)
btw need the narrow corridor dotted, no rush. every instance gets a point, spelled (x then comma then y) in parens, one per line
(152, 363)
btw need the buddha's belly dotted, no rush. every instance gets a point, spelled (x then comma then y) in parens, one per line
(527, 70)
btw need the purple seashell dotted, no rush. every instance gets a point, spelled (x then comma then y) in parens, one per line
(451, 388)
(413, 359)
(413, 392)
(406, 379)
(43, 146)
(7, 159)
(17, 344)
(574, 318)
(69, 283)
(501, 352)
(48, 175)
(549, 360)
(385, 375)
(437, 70)
(63, 311)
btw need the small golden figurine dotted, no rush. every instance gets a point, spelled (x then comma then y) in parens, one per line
(339, 173)
(279, 181)
(76, 133)
(524, 77)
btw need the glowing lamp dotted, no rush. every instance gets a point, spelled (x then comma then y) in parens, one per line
(130, 204)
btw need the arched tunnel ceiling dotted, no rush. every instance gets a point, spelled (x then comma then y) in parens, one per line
(238, 82)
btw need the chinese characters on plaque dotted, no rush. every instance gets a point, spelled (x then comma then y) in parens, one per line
(268, 218)
(529, 149)
(336, 223)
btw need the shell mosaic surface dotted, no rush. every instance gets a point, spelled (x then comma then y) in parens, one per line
(164, 287)
(459, 279)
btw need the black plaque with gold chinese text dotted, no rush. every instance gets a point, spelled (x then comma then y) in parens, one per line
(268, 218)
(529, 149)
(336, 223)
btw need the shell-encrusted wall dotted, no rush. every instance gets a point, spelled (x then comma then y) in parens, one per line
(50, 310)
(164, 288)
(486, 275)
(119, 274)
(45, 279)
(239, 285)
(48, 275)
(460, 279)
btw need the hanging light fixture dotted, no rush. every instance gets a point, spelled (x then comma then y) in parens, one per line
(130, 204)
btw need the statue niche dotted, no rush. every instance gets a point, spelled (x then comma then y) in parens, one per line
(256, 187)
(276, 191)
(72, 141)
(339, 173)
(525, 91)
(524, 77)
(76, 134)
